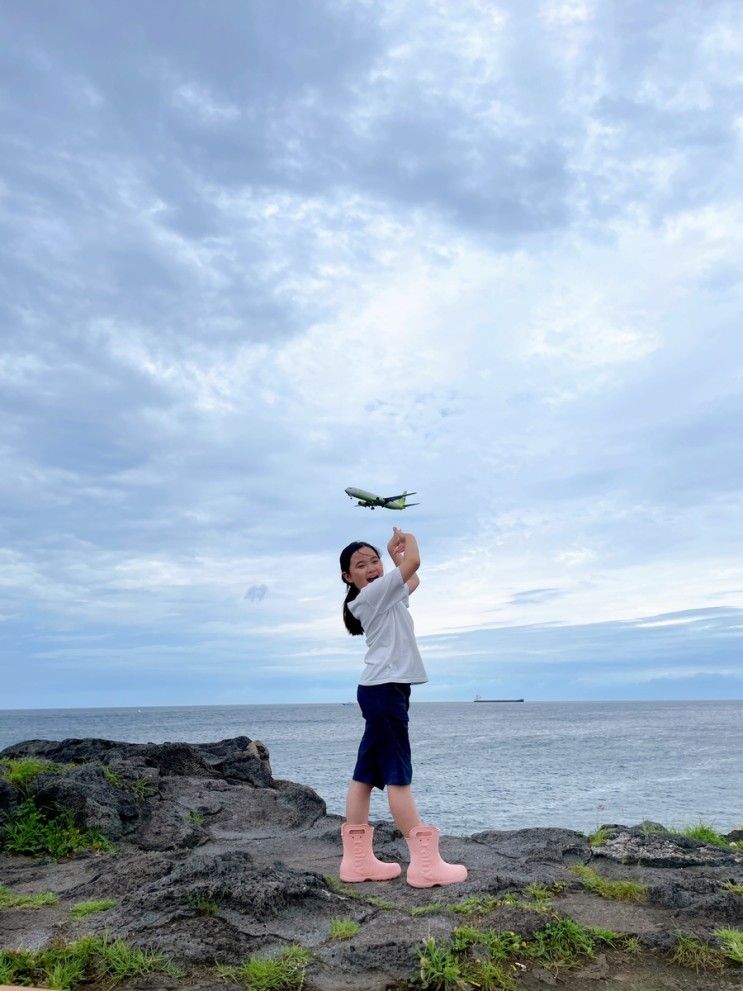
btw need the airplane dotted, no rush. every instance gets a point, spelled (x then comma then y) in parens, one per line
(370, 501)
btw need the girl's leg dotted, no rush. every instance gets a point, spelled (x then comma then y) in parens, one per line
(357, 803)
(402, 807)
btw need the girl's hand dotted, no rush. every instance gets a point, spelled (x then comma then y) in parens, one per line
(396, 543)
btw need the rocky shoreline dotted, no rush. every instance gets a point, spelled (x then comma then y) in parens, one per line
(212, 860)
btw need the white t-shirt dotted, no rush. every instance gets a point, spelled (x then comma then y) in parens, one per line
(382, 609)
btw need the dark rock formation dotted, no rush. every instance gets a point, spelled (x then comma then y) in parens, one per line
(215, 860)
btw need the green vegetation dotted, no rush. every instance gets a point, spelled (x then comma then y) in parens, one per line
(142, 788)
(622, 891)
(31, 831)
(9, 899)
(83, 909)
(21, 771)
(284, 972)
(705, 834)
(429, 909)
(477, 959)
(88, 959)
(732, 941)
(695, 955)
(111, 776)
(343, 889)
(599, 836)
(737, 889)
(203, 906)
(343, 928)
(196, 818)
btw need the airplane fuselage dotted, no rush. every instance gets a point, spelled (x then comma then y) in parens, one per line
(370, 501)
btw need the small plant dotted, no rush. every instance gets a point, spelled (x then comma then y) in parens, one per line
(90, 959)
(737, 889)
(623, 891)
(196, 818)
(203, 906)
(429, 909)
(439, 968)
(343, 928)
(30, 831)
(142, 788)
(83, 909)
(21, 771)
(479, 904)
(732, 941)
(599, 836)
(562, 941)
(284, 972)
(9, 899)
(695, 955)
(111, 776)
(706, 834)
(343, 889)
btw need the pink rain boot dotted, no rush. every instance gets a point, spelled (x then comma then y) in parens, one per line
(359, 862)
(426, 866)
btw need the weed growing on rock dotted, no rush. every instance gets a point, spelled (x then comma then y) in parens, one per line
(429, 909)
(203, 906)
(142, 788)
(706, 834)
(737, 889)
(89, 959)
(440, 969)
(21, 771)
(695, 955)
(83, 909)
(10, 899)
(343, 889)
(598, 837)
(196, 818)
(343, 928)
(622, 891)
(284, 972)
(732, 941)
(111, 776)
(30, 831)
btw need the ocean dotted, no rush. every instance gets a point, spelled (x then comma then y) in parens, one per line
(476, 766)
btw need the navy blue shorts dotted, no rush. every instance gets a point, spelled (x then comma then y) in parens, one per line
(384, 751)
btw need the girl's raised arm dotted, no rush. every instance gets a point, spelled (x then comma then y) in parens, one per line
(403, 548)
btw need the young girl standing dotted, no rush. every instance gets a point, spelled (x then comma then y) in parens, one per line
(376, 605)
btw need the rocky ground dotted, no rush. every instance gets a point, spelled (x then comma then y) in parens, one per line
(214, 860)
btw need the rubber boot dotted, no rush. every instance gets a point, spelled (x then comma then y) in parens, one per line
(427, 869)
(359, 862)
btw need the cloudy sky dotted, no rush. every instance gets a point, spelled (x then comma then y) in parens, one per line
(254, 252)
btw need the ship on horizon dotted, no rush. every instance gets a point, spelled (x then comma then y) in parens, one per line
(479, 698)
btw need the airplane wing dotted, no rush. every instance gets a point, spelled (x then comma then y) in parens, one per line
(401, 496)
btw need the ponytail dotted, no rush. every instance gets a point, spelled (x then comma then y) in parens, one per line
(352, 624)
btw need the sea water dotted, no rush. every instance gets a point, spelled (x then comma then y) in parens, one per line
(476, 766)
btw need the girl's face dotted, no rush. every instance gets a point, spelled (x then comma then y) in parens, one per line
(364, 568)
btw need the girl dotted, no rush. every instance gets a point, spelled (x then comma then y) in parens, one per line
(376, 605)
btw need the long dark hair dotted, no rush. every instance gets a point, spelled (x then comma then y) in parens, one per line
(353, 626)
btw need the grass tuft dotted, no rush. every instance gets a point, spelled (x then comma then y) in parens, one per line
(82, 910)
(429, 909)
(622, 891)
(598, 837)
(11, 899)
(284, 972)
(737, 889)
(196, 818)
(732, 941)
(706, 834)
(204, 906)
(31, 831)
(343, 928)
(88, 960)
(440, 969)
(693, 954)
(21, 771)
